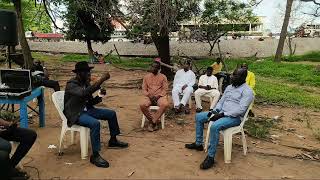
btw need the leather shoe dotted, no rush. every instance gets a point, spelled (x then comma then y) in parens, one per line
(99, 161)
(207, 163)
(118, 144)
(194, 146)
(16, 174)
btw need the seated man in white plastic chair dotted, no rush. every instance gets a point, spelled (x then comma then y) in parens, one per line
(208, 86)
(226, 114)
(79, 109)
(154, 88)
(183, 84)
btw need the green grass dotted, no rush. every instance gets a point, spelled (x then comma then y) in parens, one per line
(281, 83)
(132, 63)
(75, 57)
(296, 73)
(313, 56)
(280, 93)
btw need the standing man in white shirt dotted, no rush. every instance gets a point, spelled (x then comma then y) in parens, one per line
(183, 84)
(208, 85)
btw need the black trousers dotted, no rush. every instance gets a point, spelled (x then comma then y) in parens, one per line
(5, 149)
(25, 137)
(51, 84)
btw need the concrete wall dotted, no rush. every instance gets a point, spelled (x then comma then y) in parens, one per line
(237, 48)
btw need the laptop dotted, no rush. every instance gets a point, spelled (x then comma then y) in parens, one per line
(15, 83)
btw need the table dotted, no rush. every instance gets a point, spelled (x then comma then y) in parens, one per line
(36, 93)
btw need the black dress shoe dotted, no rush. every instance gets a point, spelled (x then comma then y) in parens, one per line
(16, 174)
(194, 146)
(99, 161)
(207, 163)
(118, 144)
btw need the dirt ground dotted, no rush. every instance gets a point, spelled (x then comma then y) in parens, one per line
(292, 153)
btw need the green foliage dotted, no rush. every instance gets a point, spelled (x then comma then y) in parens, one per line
(222, 16)
(159, 18)
(34, 17)
(88, 20)
(313, 56)
(259, 127)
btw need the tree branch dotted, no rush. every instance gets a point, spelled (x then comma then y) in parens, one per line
(51, 18)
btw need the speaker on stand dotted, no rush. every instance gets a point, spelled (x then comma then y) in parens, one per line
(8, 35)
(8, 31)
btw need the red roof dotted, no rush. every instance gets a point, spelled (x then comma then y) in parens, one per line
(47, 35)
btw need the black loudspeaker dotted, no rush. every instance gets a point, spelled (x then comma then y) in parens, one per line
(8, 28)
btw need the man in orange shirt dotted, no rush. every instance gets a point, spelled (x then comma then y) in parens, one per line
(154, 88)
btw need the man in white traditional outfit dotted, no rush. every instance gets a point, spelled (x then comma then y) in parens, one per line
(208, 86)
(183, 84)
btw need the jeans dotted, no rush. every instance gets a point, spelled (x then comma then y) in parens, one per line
(51, 84)
(25, 137)
(90, 119)
(216, 127)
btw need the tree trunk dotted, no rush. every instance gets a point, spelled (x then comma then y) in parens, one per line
(284, 31)
(163, 47)
(90, 50)
(28, 62)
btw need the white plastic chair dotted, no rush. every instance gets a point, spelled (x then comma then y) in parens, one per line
(153, 108)
(227, 135)
(58, 100)
(14, 146)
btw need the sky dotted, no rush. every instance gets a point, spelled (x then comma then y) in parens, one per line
(273, 21)
(272, 9)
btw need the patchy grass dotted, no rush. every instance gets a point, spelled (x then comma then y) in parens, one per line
(75, 57)
(313, 56)
(281, 83)
(46, 57)
(273, 92)
(141, 63)
(259, 127)
(297, 73)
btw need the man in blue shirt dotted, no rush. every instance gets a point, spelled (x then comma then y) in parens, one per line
(227, 113)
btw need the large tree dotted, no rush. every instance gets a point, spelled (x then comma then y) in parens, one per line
(89, 20)
(158, 18)
(33, 15)
(222, 16)
(283, 34)
(284, 31)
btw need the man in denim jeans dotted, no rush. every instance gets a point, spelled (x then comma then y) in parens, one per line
(79, 109)
(227, 113)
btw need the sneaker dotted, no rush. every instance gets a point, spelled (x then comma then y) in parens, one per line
(194, 146)
(99, 161)
(118, 144)
(207, 163)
